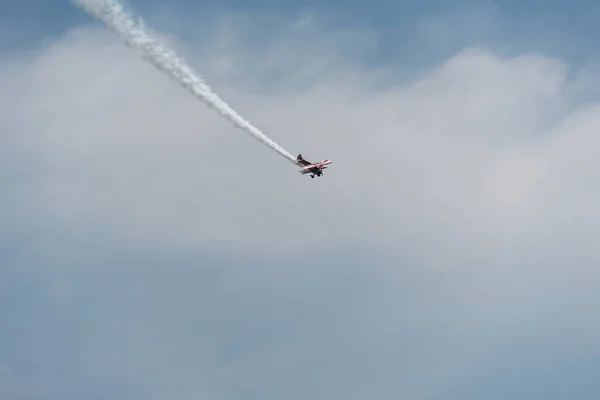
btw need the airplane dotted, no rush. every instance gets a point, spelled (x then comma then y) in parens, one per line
(310, 168)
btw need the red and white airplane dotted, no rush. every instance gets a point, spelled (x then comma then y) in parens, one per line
(310, 168)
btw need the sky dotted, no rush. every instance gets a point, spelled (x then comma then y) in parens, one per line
(151, 250)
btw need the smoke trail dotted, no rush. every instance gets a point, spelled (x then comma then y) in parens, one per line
(114, 15)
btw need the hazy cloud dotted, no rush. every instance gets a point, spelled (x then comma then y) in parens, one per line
(150, 250)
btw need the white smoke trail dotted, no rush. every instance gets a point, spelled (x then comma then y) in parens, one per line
(114, 15)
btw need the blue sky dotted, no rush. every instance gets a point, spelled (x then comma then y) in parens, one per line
(149, 250)
(552, 26)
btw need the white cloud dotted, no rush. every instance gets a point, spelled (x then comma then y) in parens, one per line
(458, 150)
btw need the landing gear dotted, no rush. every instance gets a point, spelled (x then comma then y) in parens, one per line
(312, 176)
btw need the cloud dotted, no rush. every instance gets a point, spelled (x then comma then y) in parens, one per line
(172, 158)
(154, 251)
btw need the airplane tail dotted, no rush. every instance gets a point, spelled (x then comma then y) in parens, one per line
(301, 161)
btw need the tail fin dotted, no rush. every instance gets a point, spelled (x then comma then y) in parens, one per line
(301, 160)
